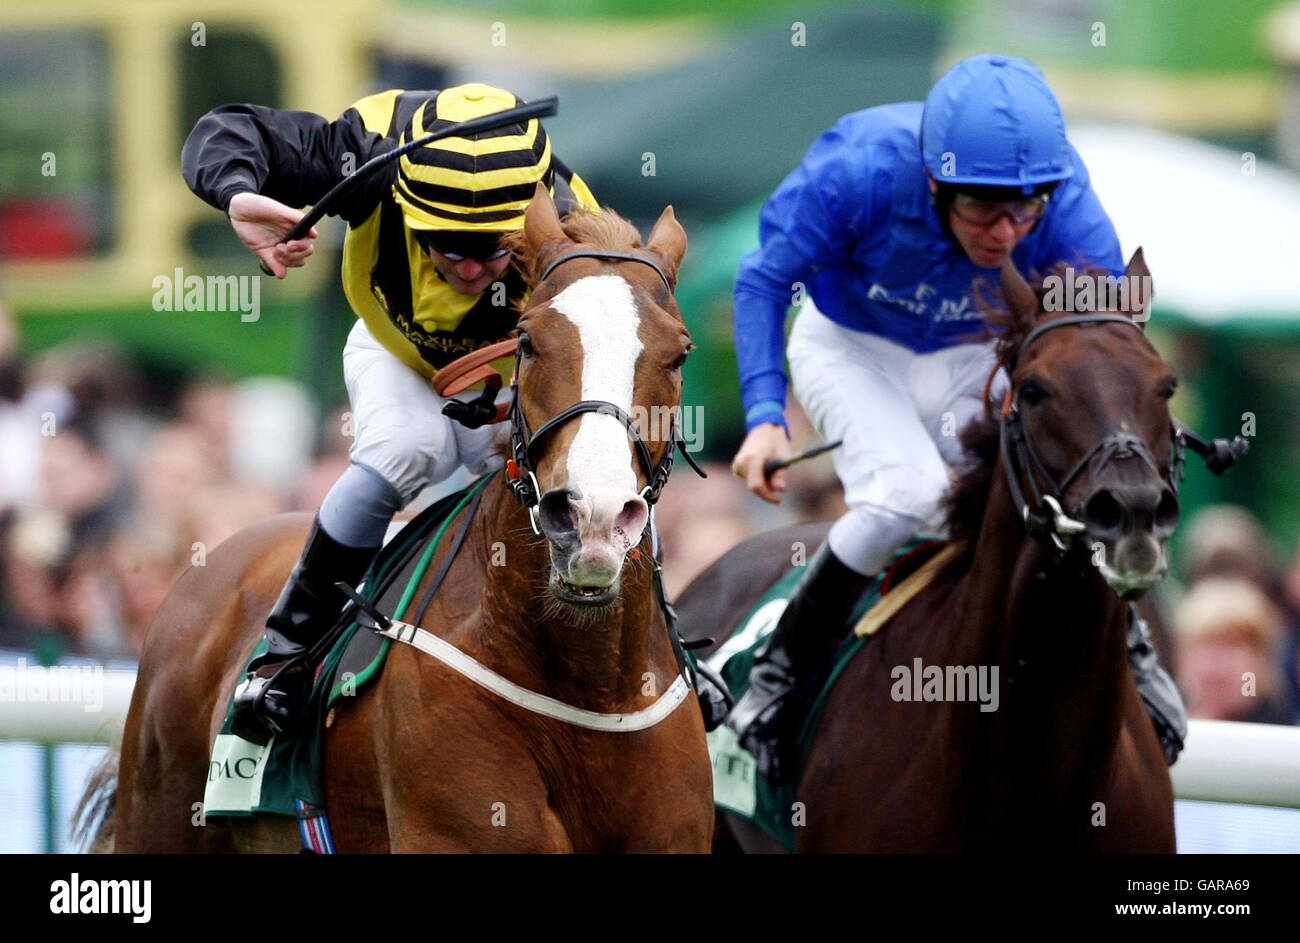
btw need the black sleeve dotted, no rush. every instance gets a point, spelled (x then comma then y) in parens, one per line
(291, 156)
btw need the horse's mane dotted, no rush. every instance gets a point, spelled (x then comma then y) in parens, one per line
(601, 229)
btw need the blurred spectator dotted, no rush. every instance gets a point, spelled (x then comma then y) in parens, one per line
(1230, 641)
(94, 371)
(35, 543)
(176, 462)
(331, 461)
(206, 405)
(81, 482)
(145, 558)
(1227, 540)
(88, 610)
(24, 410)
(217, 511)
(699, 520)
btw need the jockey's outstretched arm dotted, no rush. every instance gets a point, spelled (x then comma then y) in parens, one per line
(259, 165)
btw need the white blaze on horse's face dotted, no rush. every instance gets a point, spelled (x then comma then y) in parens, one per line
(610, 513)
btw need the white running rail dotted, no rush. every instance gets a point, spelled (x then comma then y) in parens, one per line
(1257, 764)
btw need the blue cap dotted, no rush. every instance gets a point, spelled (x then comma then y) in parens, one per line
(998, 122)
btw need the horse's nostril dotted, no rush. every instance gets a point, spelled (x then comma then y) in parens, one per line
(1103, 512)
(557, 512)
(632, 519)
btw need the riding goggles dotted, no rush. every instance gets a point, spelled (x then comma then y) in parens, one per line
(977, 212)
(459, 246)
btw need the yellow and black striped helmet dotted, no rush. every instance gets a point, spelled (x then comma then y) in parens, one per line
(482, 183)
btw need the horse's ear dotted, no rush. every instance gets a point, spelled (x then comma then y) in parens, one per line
(1139, 290)
(542, 221)
(1020, 298)
(669, 240)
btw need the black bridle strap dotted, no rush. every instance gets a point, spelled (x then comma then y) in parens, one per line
(1016, 446)
(1067, 322)
(600, 407)
(603, 254)
(526, 444)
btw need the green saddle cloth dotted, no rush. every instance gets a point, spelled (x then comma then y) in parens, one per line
(737, 785)
(247, 779)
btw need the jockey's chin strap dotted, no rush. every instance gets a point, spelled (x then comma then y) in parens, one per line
(1044, 515)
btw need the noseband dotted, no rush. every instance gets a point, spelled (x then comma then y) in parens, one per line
(1019, 457)
(525, 445)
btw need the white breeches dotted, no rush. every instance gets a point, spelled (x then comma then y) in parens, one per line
(400, 430)
(899, 413)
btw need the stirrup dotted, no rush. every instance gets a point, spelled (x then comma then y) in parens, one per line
(252, 719)
(772, 735)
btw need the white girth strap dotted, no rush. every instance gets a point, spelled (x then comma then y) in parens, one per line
(480, 674)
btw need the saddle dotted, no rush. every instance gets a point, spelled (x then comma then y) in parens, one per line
(737, 785)
(287, 778)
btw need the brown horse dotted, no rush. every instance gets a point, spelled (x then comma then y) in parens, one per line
(1069, 759)
(427, 759)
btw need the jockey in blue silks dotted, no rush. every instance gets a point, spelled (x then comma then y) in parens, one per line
(881, 233)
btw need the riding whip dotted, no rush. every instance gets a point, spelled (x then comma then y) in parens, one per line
(542, 108)
(776, 464)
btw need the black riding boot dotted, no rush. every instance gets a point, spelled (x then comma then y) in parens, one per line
(1159, 693)
(270, 700)
(768, 716)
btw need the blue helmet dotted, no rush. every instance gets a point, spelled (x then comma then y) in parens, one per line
(993, 121)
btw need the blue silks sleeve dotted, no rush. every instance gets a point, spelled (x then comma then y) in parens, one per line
(808, 223)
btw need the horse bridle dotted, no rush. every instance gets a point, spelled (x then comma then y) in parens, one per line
(525, 444)
(1044, 515)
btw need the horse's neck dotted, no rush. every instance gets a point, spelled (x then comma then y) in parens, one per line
(1057, 633)
(598, 663)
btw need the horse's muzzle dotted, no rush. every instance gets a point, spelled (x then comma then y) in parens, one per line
(1132, 522)
(590, 536)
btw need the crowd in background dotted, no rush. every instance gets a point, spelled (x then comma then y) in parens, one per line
(105, 499)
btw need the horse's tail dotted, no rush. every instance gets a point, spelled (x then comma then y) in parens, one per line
(92, 822)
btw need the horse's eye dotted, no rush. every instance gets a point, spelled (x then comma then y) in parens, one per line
(1032, 393)
(526, 344)
(679, 362)
(1168, 389)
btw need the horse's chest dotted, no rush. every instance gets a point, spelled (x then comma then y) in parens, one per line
(645, 800)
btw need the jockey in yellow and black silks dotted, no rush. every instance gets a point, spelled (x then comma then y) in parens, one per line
(424, 273)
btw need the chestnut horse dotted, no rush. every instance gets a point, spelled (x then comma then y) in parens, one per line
(427, 759)
(1069, 760)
